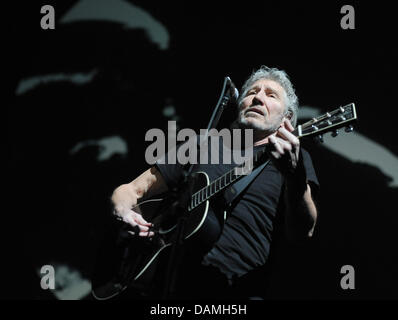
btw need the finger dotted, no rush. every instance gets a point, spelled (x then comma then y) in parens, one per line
(285, 145)
(288, 125)
(143, 228)
(142, 233)
(282, 132)
(276, 145)
(133, 222)
(142, 221)
(130, 220)
(290, 149)
(147, 234)
(137, 224)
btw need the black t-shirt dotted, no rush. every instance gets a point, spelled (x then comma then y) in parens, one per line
(244, 243)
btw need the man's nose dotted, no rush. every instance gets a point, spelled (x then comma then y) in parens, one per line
(258, 99)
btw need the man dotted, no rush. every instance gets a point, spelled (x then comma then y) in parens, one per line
(284, 188)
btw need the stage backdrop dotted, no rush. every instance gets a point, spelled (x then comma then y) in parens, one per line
(87, 89)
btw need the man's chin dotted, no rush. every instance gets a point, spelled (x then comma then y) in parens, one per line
(251, 123)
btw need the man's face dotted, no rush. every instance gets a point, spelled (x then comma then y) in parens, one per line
(263, 107)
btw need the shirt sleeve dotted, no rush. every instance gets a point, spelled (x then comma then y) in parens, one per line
(170, 167)
(171, 172)
(312, 178)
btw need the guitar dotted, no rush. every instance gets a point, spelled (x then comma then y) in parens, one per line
(137, 268)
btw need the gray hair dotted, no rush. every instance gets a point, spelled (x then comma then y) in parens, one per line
(280, 76)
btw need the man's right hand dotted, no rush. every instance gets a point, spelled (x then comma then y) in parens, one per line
(122, 203)
(136, 221)
(125, 197)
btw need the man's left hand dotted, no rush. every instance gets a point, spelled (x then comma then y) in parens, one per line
(285, 148)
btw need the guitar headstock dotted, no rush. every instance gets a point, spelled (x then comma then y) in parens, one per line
(329, 122)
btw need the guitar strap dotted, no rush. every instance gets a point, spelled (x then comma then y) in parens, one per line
(233, 191)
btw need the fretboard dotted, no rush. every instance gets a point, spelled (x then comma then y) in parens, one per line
(225, 180)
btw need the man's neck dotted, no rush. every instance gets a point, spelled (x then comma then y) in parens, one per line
(261, 141)
(260, 138)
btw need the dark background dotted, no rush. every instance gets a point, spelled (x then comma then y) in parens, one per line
(60, 201)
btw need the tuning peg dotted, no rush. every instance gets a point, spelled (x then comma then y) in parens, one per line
(335, 133)
(320, 138)
(349, 128)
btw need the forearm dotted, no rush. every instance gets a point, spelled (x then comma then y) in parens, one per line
(148, 183)
(124, 196)
(301, 214)
(301, 210)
